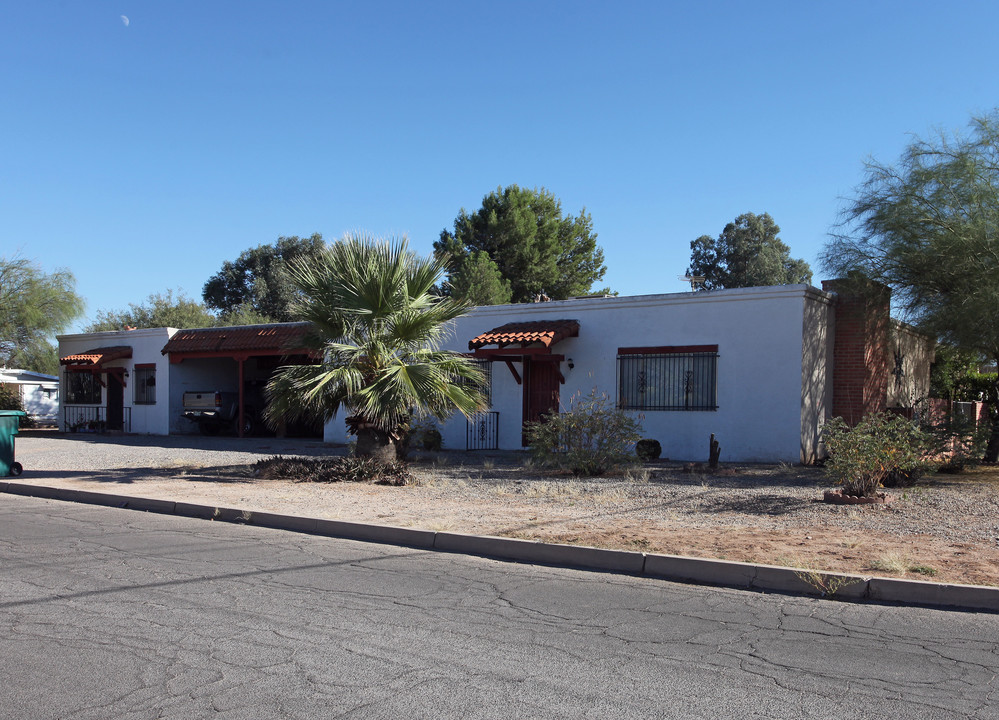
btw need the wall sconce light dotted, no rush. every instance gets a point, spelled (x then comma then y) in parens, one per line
(571, 364)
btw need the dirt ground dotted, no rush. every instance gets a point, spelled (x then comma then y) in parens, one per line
(946, 529)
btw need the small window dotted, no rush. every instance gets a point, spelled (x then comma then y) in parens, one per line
(82, 388)
(144, 381)
(668, 378)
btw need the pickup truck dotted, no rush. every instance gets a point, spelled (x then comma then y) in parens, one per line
(215, 410)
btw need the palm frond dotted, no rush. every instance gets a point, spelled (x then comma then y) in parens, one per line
(377, 327)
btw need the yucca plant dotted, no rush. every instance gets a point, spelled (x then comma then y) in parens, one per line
(377, 327)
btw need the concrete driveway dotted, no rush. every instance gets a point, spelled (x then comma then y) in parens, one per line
(53, 452)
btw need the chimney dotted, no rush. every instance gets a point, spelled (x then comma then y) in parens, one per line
(861, 348)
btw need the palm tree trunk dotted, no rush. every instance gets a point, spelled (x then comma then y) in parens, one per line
(376, 444)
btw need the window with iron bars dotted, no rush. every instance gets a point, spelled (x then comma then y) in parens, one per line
(145, 384)
(82, 388)
(671, 377)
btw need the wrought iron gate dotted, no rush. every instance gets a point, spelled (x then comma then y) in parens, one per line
(482, 432)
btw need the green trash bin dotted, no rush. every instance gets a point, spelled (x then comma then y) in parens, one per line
(9, 420)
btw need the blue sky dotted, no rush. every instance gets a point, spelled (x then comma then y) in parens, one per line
(143, 154)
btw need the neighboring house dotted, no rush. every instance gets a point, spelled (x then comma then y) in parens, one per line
(116, 380)
(39, 393)
(135, 380)
(760, 368)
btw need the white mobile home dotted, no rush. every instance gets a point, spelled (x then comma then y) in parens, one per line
(39, 393)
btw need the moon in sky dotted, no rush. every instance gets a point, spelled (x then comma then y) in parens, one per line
(124, 19)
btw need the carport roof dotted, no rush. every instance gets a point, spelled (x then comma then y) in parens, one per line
(241, 340)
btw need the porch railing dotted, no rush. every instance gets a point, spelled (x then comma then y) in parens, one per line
(93, 419)
(482, 432)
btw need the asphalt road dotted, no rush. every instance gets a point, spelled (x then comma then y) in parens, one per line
(108, 613)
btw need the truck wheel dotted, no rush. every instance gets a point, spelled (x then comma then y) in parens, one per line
(16, 469)
(209, 428)
(249, 422)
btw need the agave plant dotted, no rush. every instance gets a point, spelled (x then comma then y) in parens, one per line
(377, 326)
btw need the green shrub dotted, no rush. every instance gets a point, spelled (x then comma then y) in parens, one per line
(648, 449)
(959, 439)
(333, 469)
(422, 434)
(882, 448)
(431, 439)
(591, 438)
(10, 399)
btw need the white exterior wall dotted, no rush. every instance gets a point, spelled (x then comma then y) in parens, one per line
(764, 412)
(818, 336)
(909, 383)
(146, 344)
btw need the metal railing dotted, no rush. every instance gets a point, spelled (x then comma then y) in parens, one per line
(93, 419)
(482, 432)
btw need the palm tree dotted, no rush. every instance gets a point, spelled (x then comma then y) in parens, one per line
(377, 327)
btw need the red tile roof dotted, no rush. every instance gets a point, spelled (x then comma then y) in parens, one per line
(263, 339)
(98, 356)
(546, 332)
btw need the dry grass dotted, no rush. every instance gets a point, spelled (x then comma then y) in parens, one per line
(896, 563)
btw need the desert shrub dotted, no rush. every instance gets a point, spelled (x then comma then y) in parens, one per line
(333, 469)
(880, 449)
(648, 449)
(959, 439)
(422, 434)
(590, 438)
(10, 399)
(431, 439)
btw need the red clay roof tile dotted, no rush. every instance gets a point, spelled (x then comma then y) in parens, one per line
(98, 356)
(270, 339)
(546, 332)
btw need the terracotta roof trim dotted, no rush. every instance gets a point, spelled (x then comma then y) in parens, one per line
(98, 356)
(545, 332)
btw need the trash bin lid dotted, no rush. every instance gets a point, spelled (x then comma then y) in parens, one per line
(8, 413)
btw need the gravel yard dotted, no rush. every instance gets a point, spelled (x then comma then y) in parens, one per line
(945, 529)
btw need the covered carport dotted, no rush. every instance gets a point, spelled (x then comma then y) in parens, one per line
(235, 359)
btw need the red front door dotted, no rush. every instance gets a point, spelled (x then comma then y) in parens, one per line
(541, 385)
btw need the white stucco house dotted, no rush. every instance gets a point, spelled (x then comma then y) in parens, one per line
(39, 393)
(134, 380)
(117, 381)
(760, 368)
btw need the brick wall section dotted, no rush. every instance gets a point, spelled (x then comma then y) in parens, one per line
(862, 353)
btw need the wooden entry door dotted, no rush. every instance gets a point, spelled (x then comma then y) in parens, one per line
(541, 391)
(116, 404)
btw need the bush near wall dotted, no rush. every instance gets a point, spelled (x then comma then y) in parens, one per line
(10, 399)
(882, 449)
(591, 438)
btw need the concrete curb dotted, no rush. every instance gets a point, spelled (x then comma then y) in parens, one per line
(578, 556)
(703, 571)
